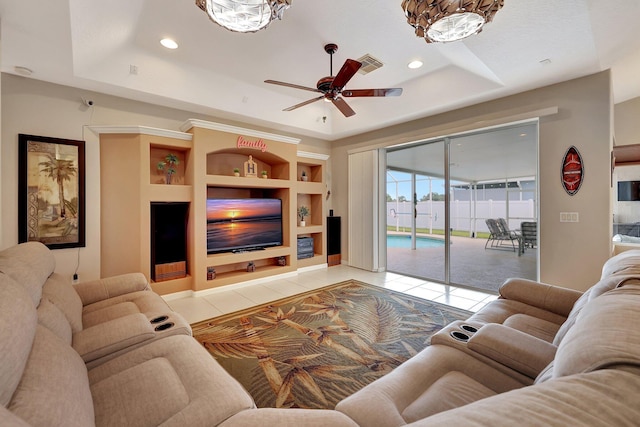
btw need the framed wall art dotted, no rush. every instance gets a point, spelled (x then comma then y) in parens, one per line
(51, 191)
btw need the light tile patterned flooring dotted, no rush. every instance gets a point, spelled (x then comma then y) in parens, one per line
(217, 302)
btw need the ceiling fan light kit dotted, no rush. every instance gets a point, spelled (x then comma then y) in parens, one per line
(449, 20)
(332, 87)
(244, 16)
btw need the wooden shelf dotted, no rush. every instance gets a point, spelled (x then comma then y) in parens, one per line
(310, 187)
(232, 277)
(174, 285)
(246, 182)
(624, 155)
(317, 259)
(170, 193)
(214, 260)
(308, 229)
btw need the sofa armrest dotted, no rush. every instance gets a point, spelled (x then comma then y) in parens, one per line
(547, 297)
(517, 350)
(109, 287)
(112, 336)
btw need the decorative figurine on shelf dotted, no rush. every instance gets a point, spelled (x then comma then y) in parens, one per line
(236, 172)
(168, 166)
(251, 267)
(250, 167)
(264, 174)
(303, 211)
(303, 176)
(282, 261)
(211, 273)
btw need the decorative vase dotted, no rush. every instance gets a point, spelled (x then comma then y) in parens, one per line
(303, 223)
(265, 176)
(236, 174)
(303, 177)
(168, 178)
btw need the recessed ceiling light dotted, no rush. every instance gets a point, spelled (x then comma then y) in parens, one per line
(169, 43)
(415, 64)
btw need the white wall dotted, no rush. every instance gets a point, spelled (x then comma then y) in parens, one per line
(38, 108)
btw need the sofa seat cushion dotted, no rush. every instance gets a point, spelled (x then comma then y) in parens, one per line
(94, 317)
(452, 390)
(18, 324)
(419, 379)
(54, 389)
(147, 302)
(498, 311)
(154, 396)
(539, 328)
(169, 382)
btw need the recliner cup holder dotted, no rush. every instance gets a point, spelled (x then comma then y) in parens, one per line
(159, 319)
(469, 328)
(164, 326)
(460, 336)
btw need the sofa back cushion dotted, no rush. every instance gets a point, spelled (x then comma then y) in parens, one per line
(53, 319)
(625, 263)
(29, 264)
(604, 335)
(604, 285)
(54, 390)
(17, 328)
(61, 293)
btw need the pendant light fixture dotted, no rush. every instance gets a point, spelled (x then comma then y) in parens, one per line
(244, 16)
(449, 20)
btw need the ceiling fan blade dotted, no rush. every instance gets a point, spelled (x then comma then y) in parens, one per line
(343, 107)
(275, 82)
(348, 70)
(302, 104)
(372, 92)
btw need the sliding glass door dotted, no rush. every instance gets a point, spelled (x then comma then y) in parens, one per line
(416, 211)
(440, 195)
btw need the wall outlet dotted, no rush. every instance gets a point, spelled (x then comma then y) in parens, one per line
(75, 279)
(569, 217)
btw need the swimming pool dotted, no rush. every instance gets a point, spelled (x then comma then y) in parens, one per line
(396, 241)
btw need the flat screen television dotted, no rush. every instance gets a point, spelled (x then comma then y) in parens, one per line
(243, 224)
(628, 191)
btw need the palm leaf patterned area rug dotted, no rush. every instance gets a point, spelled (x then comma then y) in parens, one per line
(312, 350)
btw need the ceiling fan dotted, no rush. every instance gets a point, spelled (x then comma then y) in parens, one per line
(332, 87)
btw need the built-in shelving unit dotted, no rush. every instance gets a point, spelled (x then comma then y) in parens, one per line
(208, 153)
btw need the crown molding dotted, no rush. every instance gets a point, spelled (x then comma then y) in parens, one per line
(310, 155)
(143, 130)
(195, 123)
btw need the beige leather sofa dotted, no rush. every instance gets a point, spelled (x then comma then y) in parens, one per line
(90, 355)
(494, 374)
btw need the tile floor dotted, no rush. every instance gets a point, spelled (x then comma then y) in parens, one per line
(216, 302)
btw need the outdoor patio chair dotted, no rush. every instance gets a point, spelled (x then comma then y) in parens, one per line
(529, 232)
(501, 237)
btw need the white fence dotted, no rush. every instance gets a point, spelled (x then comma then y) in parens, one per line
(463, 218)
